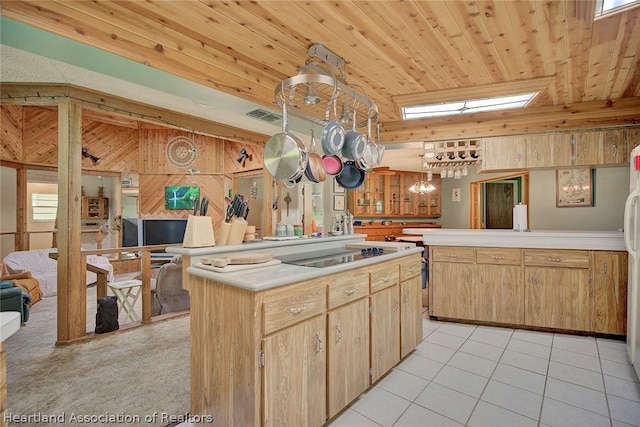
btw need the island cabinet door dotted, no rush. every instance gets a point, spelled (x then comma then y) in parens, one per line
(452, 290)
(347, 353)
(385, 331)
(499, 294)
(294, 375)
(558, 298)
(410, 315)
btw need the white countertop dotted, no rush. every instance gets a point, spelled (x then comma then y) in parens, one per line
(263, 278)
(9, 324)
(542, 239)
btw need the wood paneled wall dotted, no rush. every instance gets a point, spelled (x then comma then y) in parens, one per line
(116, 146)
(11, 135)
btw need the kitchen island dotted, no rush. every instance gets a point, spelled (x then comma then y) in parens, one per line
(574, 281)
(292, 344)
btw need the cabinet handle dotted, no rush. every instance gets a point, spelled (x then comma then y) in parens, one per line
(615, 150)
(298, 310)
(536, 155)
(338, 334)
(412, 269)
(497, 257)
(318, 344)
(396, 304)
(386, 279)
(452, 255)
(406, 297)
(350, 291)
(604, 268)
(555, 259)
(468, 277)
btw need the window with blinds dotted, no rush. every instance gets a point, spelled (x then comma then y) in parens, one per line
(44, 207)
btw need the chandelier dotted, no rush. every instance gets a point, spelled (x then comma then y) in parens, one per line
(422, 186)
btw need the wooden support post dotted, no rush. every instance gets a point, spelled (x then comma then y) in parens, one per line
(72, 289)
(146, 287)
(22, 236)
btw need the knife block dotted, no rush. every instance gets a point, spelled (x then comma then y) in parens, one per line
(223, 236)
(199, 232)
(236, 234)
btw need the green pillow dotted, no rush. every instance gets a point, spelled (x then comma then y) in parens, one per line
(4, 284)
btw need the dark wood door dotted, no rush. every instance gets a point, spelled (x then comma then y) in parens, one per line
(499, 202)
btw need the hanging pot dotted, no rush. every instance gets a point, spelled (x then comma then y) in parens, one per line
(371, 154)
(332, 138)
(314, 171)
(354, 142)
(332, 164)
(350, 177)
(285, 156)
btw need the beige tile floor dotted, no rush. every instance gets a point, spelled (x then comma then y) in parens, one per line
(467, 375)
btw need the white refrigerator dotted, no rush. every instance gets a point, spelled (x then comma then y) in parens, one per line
(632, 243)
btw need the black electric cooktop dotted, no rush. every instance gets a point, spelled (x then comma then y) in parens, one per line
(321, 259)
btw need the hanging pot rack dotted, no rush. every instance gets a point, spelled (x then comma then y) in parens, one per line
(317, 94)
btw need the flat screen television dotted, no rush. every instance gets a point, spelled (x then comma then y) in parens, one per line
(147, 232)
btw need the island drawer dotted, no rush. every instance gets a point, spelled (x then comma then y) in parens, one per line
(410, 267)
(454, 254)
(383, 276)
(288, 305)
(556, 258)
(346, 287)
(501, 256)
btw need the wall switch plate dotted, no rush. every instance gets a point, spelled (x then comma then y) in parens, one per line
(455, 196)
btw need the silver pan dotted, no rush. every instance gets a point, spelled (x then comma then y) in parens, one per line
(285, 156)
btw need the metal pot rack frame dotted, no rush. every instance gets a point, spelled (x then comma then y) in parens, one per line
(333, 92)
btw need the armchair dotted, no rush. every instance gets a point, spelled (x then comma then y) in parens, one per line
(14, 299)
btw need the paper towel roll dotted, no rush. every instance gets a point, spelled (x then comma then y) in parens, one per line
(520, 217)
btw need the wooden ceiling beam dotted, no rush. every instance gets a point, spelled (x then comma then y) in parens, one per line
(48, 95)
(618, 112)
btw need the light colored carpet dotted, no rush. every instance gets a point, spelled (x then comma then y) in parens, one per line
(137, 372)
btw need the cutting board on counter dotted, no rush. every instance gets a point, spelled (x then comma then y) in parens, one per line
(238, 258)
(237, 267)
(387, 246)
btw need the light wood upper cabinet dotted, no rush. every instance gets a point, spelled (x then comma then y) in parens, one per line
(348, 354)
(610, 292)
(294, 375)
(549, 150)
(588, 146)
(388, 195)
(503, 153)
(606, 147)
(616, 146)
(94, 208)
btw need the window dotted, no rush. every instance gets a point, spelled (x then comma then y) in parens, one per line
(466, 107)
(44, 207)
(604, 7)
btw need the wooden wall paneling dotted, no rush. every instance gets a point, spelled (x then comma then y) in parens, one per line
(210, 155)
(22, 209)
(72, 289)
(11, 135)
(116, 146)
(40, 138)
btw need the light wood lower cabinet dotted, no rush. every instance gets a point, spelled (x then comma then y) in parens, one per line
(294, 375)
(385, 331)
(558, 298)
(610, 273)
(348, 354)
(575, 290)
(299, 354)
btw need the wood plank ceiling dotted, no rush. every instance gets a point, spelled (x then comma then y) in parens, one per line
(397, 51)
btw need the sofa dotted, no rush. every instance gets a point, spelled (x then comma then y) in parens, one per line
(14, 298)
(45, 269)
(167, 294)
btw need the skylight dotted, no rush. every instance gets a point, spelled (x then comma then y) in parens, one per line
(466, 107)
(609, 6)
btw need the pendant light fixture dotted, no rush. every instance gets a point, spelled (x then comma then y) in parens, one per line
(422, 186)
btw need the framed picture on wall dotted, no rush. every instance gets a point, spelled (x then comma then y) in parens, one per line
(338, 202)
(337, 188)
(180, 197)
(574, 188)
